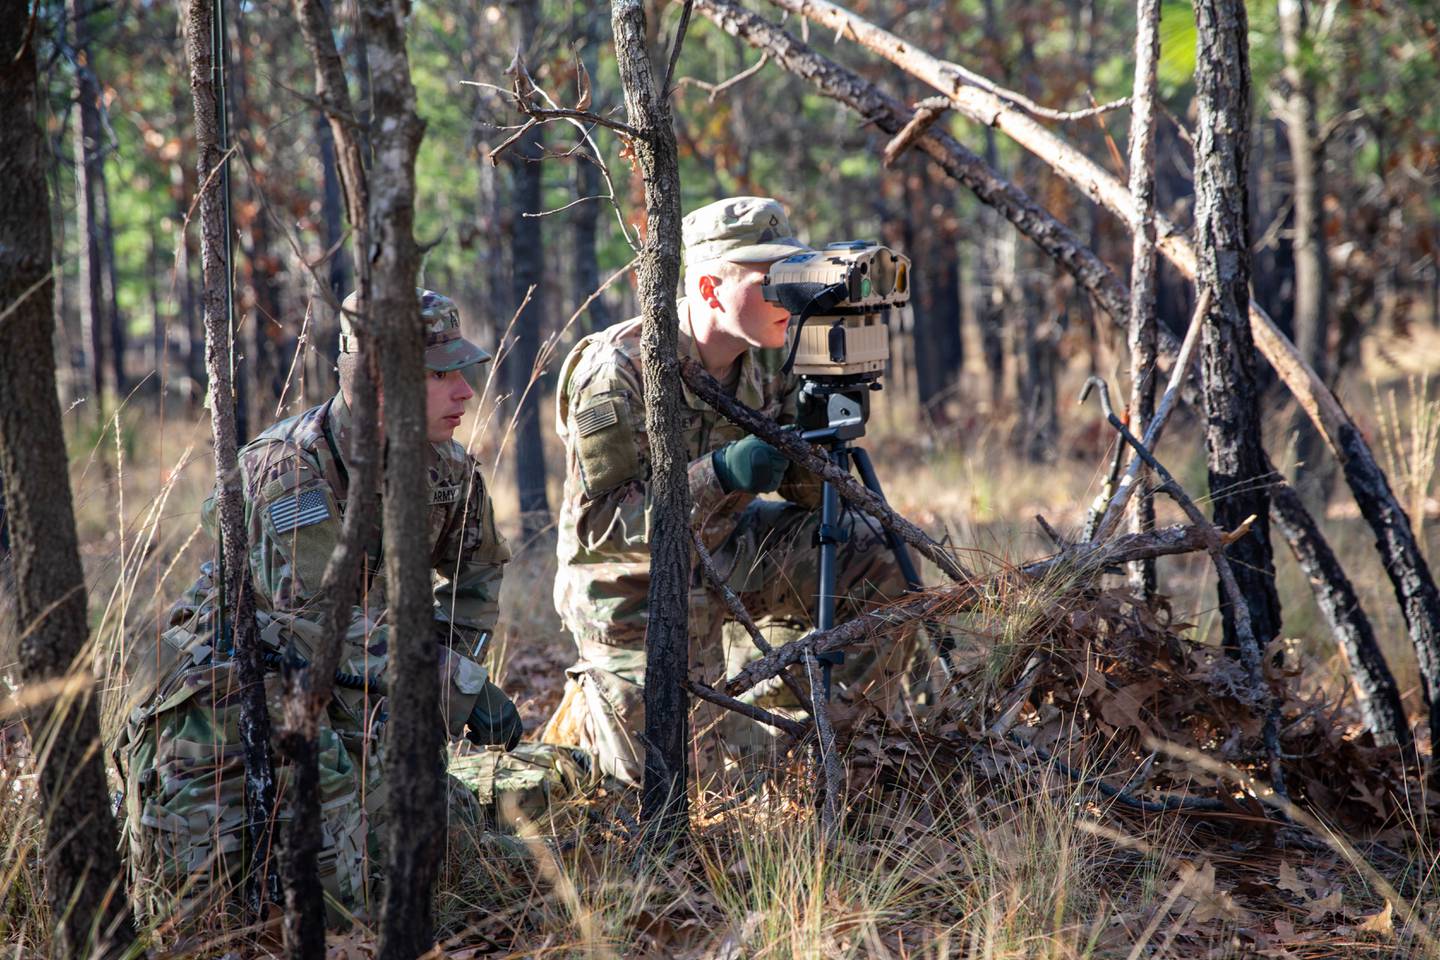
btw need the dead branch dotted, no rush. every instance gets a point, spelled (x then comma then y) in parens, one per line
(810, 457)
(795, 728)
(738, 611)
(1128, 483)
(1081, 563)
(826, 757)
(926, 113)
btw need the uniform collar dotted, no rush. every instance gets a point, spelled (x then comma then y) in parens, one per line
(749, 389)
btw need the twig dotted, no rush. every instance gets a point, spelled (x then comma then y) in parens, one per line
(926, 113)
(738, 611)
(1060, 542)
(1015, 699)
(810, 457)
(715, 89)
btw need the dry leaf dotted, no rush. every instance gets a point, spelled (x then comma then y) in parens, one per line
(1325, 905)
(1290, 881)
(1210, 903)
(1382, 923)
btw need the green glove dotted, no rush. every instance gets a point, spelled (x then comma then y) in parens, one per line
(494, 719)
(749, 464)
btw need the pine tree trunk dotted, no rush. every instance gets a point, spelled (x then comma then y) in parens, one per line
(664, 802)
(1306, 163)
(1141, 332)
(1238, 469)
(588, 183)
(89, 178)
(414, 843)
(528, 254)
(84, 882)
(237, 602)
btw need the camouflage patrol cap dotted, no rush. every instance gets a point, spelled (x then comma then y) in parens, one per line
(445, 348)
(740, 230)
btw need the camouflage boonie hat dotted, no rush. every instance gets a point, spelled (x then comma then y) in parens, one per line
(740, 230)
(445, 348)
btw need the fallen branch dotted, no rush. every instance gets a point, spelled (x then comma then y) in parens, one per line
(809, 456)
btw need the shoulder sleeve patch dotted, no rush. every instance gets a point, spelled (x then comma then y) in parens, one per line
(605, 445)
(596, 417)
(291, 512)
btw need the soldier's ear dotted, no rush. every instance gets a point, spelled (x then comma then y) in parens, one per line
(707, 287)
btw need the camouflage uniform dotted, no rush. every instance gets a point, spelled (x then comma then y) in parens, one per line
(180, 752)
(764, 547)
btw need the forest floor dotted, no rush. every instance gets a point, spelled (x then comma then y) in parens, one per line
(955, 840)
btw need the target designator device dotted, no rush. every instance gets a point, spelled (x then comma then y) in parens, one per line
(840, 298)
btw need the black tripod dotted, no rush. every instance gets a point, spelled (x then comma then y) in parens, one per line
(832, 413)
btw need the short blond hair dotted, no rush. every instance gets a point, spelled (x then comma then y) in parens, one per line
(723, 269)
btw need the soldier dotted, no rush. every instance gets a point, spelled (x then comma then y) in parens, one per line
(764, 547)
(184, 780)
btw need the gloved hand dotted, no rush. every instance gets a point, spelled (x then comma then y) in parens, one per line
(495, 720)
(749, 464)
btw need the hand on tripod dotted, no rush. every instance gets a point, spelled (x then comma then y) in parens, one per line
(749, 464)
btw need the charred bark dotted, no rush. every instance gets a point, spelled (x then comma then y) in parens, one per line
(84, 882)
(1376, 692)
(664, 802)
(237, 605)
(588, 183)
(1238, 469)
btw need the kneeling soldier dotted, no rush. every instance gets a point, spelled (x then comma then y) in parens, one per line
(764, 547)
(180, 751)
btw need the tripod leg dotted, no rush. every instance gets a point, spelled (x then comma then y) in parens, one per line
(829, 537)
(897, 546)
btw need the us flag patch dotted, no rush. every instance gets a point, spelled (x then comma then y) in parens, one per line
(292, 513)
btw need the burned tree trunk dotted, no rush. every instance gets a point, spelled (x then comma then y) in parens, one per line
(667, 652)
(1239, 474)
(416, 816)
(1141, 333)
(83, 875)
(1375, 689)
(237, 601)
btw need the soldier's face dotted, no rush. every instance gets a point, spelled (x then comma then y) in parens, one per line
(746, 313)
(445, 397)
